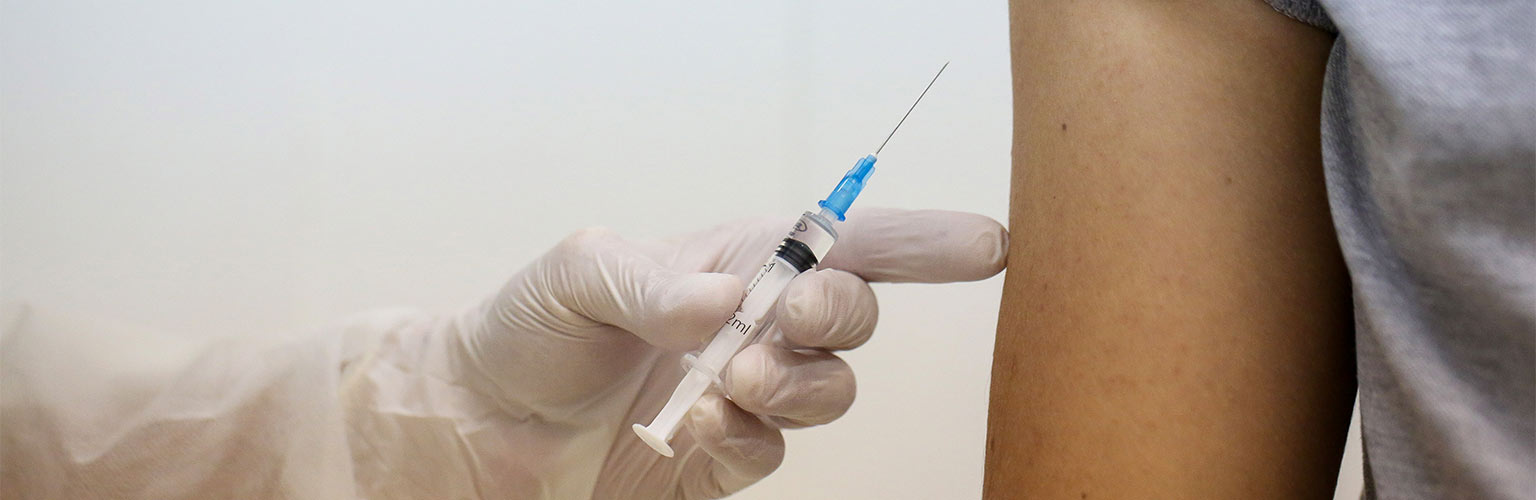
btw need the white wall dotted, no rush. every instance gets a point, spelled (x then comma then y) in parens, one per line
(205, 167)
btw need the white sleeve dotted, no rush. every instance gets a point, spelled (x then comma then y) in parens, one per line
(102, 411)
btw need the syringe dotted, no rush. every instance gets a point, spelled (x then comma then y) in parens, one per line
(807, 243)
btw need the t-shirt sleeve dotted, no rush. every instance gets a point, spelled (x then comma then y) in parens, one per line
(1307, 11)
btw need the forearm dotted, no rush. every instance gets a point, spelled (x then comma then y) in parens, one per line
(1175, 320)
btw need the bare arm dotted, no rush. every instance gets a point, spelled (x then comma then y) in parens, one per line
(1176, 317)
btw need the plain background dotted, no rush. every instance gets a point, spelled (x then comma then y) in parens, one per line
(223, 169)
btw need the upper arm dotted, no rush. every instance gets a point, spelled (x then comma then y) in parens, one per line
(1176, 316)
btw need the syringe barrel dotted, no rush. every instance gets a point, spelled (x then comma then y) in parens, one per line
(805, 245)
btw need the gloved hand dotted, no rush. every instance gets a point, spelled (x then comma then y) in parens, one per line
(531, 394)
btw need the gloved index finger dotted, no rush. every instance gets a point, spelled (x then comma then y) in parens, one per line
(919, 246)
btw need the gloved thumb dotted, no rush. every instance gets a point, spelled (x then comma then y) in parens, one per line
(604, 278)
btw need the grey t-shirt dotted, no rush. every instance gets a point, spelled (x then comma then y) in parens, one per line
(1429, 127)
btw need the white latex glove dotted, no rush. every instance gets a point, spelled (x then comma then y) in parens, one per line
(529, 395)
(535, 390)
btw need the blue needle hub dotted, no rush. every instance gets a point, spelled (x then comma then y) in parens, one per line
(849, 188)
